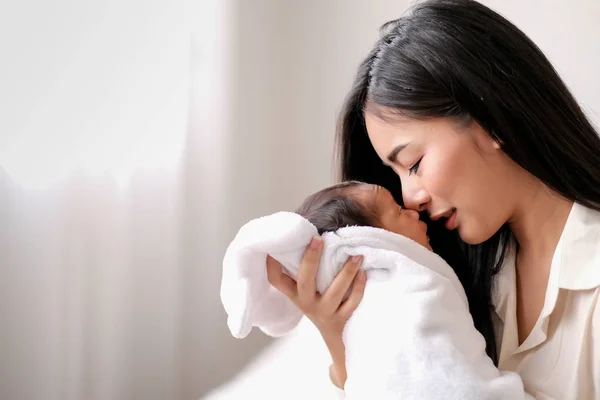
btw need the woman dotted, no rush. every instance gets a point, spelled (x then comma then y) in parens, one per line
(491, 146)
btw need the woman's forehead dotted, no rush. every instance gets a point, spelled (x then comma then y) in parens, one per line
(387, 134)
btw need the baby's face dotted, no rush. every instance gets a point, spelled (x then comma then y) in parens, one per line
(396, 219)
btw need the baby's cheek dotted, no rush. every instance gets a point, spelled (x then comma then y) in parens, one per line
(393, 224)
(403, 227)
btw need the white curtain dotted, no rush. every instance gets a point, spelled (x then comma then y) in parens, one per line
(112, 132)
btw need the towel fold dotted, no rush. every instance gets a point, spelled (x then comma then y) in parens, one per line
(411, 337)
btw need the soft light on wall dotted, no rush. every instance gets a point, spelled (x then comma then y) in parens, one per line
(101, 88)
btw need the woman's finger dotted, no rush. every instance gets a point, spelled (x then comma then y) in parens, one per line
(334, 294)
(279, 280)
(356, 294)
(307, 274)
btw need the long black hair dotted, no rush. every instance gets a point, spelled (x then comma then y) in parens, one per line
(460, 59)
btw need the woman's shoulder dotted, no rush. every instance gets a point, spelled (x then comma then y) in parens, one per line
(579, 250)
(584, 220)
(576, 258)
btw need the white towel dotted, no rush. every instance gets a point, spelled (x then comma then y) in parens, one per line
(411, 337)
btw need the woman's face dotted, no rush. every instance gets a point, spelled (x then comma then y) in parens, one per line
(452, 171)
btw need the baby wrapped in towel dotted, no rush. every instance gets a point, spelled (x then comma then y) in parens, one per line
(411, 337)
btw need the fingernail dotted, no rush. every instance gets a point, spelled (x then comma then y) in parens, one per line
(315, 242)
(356, 259)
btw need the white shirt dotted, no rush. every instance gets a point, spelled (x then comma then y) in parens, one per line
(560, 359)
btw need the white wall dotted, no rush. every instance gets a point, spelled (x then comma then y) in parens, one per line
(293, 63)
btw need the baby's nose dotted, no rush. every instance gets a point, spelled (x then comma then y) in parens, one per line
(412, 214)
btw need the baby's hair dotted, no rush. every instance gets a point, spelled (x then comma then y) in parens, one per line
(336, 207)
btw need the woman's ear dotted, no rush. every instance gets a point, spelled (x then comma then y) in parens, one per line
(486, 141)
(497, 141)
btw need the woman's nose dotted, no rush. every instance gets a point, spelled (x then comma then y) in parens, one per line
(415, 198)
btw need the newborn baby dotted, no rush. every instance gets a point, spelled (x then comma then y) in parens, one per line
(355, 203)
(411, 337)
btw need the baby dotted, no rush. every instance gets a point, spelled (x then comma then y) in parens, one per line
(354, 203)
(411, 337)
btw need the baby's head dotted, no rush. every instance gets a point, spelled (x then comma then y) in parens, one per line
(355, 203)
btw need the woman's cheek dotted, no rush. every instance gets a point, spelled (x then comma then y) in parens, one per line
(435, 181)
(444, 170)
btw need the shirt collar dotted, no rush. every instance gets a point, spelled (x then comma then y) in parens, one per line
(504, 283)
(580, 261)
(576, 262)
(575, 266)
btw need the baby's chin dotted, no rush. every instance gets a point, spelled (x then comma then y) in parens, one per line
(426, 244)
(424, 241)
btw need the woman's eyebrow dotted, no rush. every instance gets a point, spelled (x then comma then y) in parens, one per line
(394, 153)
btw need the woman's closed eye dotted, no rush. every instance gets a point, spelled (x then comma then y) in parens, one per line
(415, 168)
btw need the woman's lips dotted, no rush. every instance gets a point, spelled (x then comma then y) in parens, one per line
(451, 221)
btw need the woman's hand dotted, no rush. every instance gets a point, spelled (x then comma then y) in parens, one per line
(328, 311)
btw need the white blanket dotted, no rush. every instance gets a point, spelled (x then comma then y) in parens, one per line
(412, 336)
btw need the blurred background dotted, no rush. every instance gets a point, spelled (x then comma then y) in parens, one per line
(137, 137)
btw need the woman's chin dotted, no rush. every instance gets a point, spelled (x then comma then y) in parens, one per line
(472, 237)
